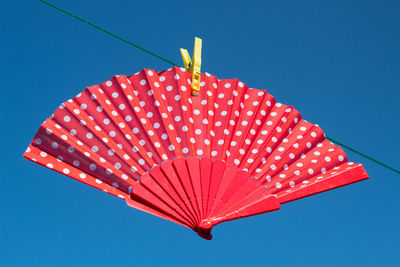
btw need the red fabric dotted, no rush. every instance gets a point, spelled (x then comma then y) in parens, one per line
(111, 134)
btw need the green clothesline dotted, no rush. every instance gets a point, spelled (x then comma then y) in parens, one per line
(172, 63)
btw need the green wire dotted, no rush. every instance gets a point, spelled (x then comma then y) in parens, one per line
(363, 155)
(172, 63)
(113, 35)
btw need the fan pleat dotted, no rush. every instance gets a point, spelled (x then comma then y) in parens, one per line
(38, 156)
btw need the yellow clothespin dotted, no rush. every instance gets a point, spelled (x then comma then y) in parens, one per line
(186, 58)
(195, 66)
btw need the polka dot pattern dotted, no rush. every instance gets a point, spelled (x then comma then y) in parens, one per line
(111, 134)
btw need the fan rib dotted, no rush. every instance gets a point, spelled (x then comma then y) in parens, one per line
(167, 184)
(158, 200)
(181, 170)
(169, 171)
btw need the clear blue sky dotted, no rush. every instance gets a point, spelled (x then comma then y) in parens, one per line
(336, 61)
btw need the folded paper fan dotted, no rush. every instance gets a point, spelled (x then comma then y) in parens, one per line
(227, 153)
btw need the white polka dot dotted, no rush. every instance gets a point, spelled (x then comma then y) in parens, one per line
(54, 145)
(177, 118)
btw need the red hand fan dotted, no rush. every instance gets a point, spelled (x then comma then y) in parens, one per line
(227, 153)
